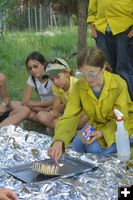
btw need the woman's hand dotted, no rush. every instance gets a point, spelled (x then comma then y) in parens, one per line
(93, 31)
(95, 135)
(7, 194)
(56, 150)
(130, 34)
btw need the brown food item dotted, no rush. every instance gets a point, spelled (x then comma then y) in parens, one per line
(45, 168)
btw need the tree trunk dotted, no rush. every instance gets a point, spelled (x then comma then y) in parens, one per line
(35, 14)
(68, 20)
(51, 15)
(5, 13)
(54, 20)
(29, 19)
(40, 18)
(82, 26)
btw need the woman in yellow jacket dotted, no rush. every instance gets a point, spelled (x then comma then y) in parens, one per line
(112, 28)
(97, 94)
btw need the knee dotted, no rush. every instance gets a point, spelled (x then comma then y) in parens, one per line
(41, 117)
(24, 111)
(14, 105)
(77, 145)
(94, 148)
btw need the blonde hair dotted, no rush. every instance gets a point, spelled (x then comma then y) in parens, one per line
(92, 56)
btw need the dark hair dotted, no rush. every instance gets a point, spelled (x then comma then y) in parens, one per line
(36, 56)
(92, 56)
(40, 58)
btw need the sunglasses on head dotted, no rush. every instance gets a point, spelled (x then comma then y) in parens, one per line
(57, 61)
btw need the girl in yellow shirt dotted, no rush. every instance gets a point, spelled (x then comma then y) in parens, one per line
(97, 93)
(63, 83)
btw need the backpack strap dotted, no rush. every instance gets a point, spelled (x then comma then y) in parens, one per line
(33, 79)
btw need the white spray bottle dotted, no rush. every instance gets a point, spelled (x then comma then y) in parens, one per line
(122, 138)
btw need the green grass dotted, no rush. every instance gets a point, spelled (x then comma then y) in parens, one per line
(15, 47)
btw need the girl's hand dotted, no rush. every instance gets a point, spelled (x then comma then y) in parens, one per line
(53, 114)
(33, 104)
(7, 194)
(56, 150)
(96, 135)
(25, 104)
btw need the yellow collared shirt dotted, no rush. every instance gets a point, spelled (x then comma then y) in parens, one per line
(64, 95)
(118, 14)
(100, 111)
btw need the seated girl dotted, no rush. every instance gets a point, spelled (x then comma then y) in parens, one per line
(37, 80)
(63, 83)
(97, 93)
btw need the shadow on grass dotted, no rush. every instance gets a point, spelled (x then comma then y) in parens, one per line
(35, 126)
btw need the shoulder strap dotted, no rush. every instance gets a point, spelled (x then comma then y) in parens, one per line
(33, 79)
(46, 83)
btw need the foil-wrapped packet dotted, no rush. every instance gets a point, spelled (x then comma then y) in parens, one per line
(19, 146)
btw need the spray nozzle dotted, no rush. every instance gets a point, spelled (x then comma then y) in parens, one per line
(118, 114)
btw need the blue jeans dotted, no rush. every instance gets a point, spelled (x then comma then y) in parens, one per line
(118, 50)
(95, 147)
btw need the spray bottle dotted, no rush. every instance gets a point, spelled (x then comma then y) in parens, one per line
(122, 138)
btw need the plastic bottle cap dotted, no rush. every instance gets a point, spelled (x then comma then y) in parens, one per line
(119, 120)
(118, 114)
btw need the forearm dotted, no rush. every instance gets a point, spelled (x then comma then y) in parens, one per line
(3, 89)
(39, 104)
(45, 103)
(65, 129)
(27, 95)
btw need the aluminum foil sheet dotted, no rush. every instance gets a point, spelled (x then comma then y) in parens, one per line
(18, 146)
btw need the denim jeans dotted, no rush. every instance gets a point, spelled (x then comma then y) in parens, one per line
(95, 147)
(118, 50)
